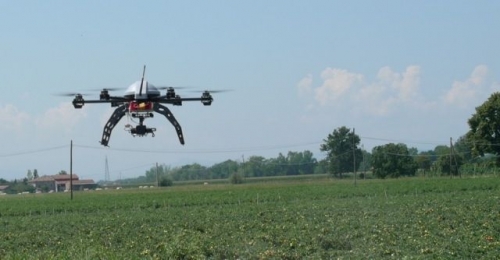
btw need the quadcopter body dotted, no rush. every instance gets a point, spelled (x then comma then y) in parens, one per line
(140, 101)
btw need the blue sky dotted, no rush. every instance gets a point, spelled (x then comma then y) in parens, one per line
(396, 71)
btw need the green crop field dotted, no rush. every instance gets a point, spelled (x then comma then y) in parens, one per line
(411, 218)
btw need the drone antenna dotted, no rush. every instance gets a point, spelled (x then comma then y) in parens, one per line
(143, 72)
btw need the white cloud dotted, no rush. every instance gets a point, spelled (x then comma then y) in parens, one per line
(12, 119)
(336, 83)
(64, 117)
(410, 82)
(391, 89)
(392, 92)
(305, 85)
(379, 97)
(462, 93)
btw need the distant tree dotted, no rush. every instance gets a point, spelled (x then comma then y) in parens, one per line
(63, 172)
(423, 161)
(35, 174)
(392, 160)
(484, 133)
(223, 170)
(166, 182)
(254, 167)
(450, 164)
(18, 187)
(157, 173)
(29, 175)
(236, 178)
(463, 147)
(278, 166)
(441, 150)
(300, 162)
(188, 172)
(339, 146)
(366, 161)
(321, 167)
(3, 181)
(412, 151)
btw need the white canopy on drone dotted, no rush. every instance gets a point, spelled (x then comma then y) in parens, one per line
(148, 90)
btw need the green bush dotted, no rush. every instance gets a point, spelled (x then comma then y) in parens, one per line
(166, 182)
(236, 178)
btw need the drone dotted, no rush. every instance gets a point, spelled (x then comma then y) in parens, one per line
(140, 100)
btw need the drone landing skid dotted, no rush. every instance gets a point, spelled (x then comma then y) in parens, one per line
(113, 120)
(141, 129)
(160, 109)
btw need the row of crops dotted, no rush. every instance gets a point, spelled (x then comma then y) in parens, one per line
(321, 219)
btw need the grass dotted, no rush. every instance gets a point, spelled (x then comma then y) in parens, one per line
(411, 218)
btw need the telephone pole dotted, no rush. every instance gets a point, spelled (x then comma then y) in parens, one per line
(157, 180)
(354, 154)
(71, 169)
(106, 171)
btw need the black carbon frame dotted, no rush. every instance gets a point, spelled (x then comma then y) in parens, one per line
(113, 120)
(158, 108)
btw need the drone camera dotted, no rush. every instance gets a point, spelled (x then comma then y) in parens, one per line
(142, 130)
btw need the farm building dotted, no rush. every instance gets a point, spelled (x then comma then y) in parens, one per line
(61, 183)
(3, 188)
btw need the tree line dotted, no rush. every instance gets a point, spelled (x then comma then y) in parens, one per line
(293, 163)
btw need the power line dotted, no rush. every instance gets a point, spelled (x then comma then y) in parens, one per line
(202, 151)
(401, 141)
(224, 150)
(34, 151)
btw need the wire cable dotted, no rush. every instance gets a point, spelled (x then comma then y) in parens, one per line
(34, 151)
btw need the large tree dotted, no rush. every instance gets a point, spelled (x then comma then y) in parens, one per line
(393, 160)
(342, 147)
(484, 133)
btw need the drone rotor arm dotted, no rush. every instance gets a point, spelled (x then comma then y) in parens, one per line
(178, 101)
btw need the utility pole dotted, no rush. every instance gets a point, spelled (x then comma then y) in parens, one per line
(157, 180)
(363, 160)
(354, 154)
(106, 171)
(451, 154)
(454, 158)
(71, 169)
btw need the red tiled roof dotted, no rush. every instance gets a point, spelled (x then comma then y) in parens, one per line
(57, 177)
(61, 177)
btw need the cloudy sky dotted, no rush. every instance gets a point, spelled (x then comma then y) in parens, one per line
(396, 71)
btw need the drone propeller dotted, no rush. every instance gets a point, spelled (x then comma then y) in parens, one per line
(171, 87)
(106, 89)
(212, 91)
(70, 94)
